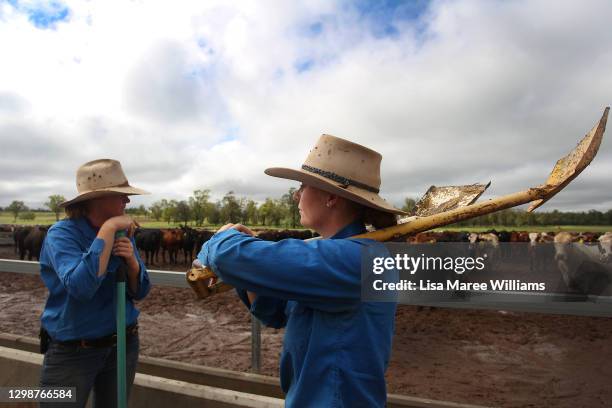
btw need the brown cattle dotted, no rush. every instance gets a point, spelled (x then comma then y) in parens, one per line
(172, 242)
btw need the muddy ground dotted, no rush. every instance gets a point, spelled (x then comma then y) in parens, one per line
(480, 357)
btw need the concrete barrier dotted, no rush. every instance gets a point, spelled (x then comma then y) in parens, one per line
(165, 383)
(22, 368)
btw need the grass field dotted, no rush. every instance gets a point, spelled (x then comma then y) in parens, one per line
(46, 218)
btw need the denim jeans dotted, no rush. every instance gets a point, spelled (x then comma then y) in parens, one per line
(87, 368)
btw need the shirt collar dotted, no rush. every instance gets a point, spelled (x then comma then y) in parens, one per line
(354, 228)
(86, 228)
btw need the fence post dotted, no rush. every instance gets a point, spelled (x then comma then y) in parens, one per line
(255, 345)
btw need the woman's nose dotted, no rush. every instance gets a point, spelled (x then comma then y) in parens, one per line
(296, 196)
(126, 199)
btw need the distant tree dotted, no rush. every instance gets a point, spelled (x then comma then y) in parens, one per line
(27, 215)
(199, 205)
(15, 208)
(213, 211)
(230, 208)
(292, 207)
(266, 211)
(409, 205)
(156, 210)
(54, 204)
(183, 212)
(250, 212)
(169, 212)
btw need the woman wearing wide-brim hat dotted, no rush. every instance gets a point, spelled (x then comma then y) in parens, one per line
(78, 263)
(336, 348)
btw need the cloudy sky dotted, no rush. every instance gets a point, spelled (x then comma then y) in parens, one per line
(204, 94)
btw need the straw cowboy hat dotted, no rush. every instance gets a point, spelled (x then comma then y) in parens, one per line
(101, 178)
(344, 168)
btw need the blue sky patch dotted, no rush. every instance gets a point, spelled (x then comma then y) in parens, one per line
(43, 15)
(303, 65)
(384, 15)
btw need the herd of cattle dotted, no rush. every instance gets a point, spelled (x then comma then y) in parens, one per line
(584, 260)
(174, 245)
(167, 245)
(186, 241)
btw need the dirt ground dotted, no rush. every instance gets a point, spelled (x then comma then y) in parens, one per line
(490, 358)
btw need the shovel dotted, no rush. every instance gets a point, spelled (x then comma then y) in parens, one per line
(205, 283)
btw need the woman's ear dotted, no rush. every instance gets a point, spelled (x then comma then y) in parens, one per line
(332, 200)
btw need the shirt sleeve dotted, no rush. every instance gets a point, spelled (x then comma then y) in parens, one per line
(322, 274)
(76, 270)
(270, 311)
(144, 284)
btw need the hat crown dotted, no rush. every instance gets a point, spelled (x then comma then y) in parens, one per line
(100, 174)
(346, 159)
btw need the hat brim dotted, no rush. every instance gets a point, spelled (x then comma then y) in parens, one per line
(356, 194)
(88, 195)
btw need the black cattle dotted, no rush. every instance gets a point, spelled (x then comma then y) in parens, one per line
(19, 235)
(149, 242)
(189, 241)
(201, 237)
(32, 243)
(504, 239)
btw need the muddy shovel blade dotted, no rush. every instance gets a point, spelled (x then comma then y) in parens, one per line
(570, 166)
(445, 198)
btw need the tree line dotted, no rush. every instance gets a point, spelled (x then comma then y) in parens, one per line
(518, 218)
(198, 209)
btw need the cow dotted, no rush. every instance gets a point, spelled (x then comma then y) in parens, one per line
(540, 251)
(581, 265)
(19, 235)
(171, 242)
(149, 241)
(423, 238)
(605, 247)
(188, 245)
(486, 245)
(201, 238)
(32, 243)
(504, 239)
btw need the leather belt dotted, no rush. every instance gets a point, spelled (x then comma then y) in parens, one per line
(101, 342)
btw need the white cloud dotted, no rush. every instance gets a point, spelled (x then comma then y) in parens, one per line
(207, 94)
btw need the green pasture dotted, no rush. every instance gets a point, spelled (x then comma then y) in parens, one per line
(47, 218)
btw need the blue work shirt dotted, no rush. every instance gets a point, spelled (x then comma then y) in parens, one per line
(336, 348)
(81, 304)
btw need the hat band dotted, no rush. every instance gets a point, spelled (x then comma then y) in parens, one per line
(339, 179)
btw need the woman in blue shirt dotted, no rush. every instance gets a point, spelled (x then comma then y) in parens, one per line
(336, 348)
(78, 261)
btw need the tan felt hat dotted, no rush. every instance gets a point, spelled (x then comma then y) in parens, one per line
(341, 167)
(99, 178)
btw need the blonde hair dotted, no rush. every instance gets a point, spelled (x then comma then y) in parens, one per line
(370, 216)
(76, 210)
(378, 219)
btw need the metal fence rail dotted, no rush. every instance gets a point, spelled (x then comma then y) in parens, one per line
(491, 300)
(157, 277)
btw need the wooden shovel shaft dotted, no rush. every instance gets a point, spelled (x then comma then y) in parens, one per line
(459, 214)
(566, 169)
(197, 277)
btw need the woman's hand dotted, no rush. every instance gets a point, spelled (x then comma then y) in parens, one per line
(123, 247)
(237, 227)
(241, 228)
(121, 222)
